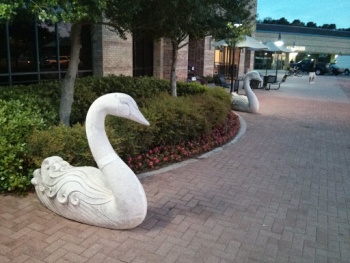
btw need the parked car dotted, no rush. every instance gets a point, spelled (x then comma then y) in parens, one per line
(51, 62)
(302, 65)
(335, 69)
(322, 68)
(343, 62)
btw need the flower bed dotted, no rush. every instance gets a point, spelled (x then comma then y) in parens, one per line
(164, 155)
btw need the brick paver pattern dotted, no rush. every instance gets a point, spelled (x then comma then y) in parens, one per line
(281, 193)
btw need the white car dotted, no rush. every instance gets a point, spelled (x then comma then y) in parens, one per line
(344, 63)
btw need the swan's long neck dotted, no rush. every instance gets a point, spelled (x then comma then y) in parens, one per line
(248, 90)
(253, 100)
(99, 144)
(122, 181)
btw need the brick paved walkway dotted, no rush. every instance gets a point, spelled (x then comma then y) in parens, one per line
(279, 194)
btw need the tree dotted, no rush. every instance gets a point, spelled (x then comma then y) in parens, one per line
(267, 20)
(311, 24)
(329, 26)
(282, 21)
(75, 12)
(178, 20)
(297, 22)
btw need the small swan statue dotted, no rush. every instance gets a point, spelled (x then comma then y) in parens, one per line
(109, 196)
(248, 103)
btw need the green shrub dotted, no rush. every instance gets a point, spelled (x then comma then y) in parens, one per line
(70, 143)
(189, 88)
(29, 132)
(90, 88)
(209, 78)
(141, 88)
(44, 98)
(214, 104)
(172, 120)
(17, 120)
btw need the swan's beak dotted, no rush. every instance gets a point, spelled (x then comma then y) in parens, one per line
(260, 79)
(138, 117)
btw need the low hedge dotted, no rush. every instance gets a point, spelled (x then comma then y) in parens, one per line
(89, 88)
(17, 121)
(196, 120)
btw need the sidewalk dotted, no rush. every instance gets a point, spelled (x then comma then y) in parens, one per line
(281, 193)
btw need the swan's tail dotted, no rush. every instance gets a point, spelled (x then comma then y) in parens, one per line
(49, 163)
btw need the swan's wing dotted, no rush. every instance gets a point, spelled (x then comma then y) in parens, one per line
(68, 184)
(239, 99)
(240, 102)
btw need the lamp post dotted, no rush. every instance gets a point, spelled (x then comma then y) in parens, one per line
(265, 58)
(278, 43)
(233, 60)
(233, 66)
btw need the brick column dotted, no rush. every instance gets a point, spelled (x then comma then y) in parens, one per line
(158, 59)
(182, 60)
(201, 56)
(111, 54)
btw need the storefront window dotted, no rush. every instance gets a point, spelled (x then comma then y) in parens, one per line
(38, 51)
(3, 48)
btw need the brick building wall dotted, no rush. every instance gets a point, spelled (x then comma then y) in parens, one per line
(201, 56)
(158, 58)
(111, 54)
(163, 59)
(114, 55)
(209, 51)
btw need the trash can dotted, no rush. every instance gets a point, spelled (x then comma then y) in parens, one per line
(265, 81)
(254, 84)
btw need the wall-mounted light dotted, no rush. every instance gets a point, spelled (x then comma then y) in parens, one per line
(279, 41)
(293, 48)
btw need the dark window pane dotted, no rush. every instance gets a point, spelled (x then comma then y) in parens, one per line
(143, 58)
(22, 43)
(39, 51)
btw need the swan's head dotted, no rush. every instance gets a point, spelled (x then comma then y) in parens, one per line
(254, 75)
(123, 105)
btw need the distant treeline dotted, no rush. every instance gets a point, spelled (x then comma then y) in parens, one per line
(297, 22)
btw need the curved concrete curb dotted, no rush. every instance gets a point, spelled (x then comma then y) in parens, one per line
(241, 132)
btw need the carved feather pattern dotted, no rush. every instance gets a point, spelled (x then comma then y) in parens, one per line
(58, 179)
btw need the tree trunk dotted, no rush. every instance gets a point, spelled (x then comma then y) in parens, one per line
(67, 85)
(175, 52)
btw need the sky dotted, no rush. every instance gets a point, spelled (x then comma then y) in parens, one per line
(318, 11)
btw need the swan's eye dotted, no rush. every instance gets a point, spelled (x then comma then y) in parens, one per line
(124, 107)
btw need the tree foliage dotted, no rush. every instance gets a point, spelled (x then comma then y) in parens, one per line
(311, 24)
(178, 20)
(297, 22)
(70, 11)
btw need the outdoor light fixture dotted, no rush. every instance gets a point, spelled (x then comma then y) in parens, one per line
(293, 47)
(279, 41)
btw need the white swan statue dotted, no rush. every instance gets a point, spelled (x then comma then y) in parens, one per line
(248, 103)
(111, 196)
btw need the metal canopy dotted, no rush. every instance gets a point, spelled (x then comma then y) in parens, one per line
(247, 42)
(273, 48)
